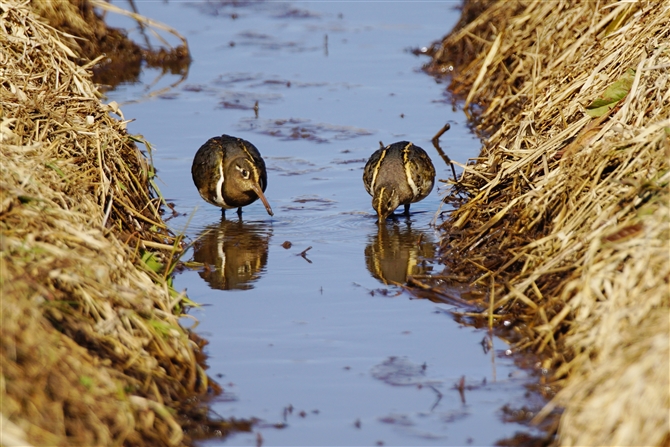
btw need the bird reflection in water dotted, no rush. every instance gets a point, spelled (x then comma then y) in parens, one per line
(234, 253)
(397, 251)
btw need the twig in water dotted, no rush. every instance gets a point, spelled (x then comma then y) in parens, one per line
(439, 397)
(445, 157)
(304, 254)
(133, 6)
(461, 389)
(441, 132)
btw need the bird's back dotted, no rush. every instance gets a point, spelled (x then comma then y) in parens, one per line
(402, 166)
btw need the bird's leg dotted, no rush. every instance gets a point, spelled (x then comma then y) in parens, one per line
(223, 214)
(407, 209)
(239, 212)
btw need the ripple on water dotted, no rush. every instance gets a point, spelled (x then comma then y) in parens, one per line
(242, 100)
(287, 129)
(290, 166)
(264, 80)
(309, 203)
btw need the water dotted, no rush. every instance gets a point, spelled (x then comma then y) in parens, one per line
(319, 338)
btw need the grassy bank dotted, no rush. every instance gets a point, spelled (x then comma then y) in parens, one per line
(564, 218)
(91, 349)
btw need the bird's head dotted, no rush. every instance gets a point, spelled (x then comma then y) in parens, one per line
(385, 200)
(243, 178)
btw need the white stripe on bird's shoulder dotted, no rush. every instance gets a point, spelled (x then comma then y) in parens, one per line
(375, 171)
(219, 187)
(408, 170)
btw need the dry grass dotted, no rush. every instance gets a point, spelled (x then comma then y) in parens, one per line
(91, 349)
(566, 215)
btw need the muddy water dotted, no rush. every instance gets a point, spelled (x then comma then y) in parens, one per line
(305, 331)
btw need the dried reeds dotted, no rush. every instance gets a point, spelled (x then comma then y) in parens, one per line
(567, 208)
(91, 349)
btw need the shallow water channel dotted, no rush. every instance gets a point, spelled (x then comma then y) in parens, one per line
(317, 340)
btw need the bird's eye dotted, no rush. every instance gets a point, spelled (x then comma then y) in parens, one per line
(245, 173)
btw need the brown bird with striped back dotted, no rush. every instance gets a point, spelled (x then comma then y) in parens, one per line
(398, 174)
(229, 172)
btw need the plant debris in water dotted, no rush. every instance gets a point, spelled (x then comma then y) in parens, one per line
(399, 371)
(566, 218)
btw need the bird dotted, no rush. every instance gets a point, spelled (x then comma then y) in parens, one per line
(398, 174)
(229, 172)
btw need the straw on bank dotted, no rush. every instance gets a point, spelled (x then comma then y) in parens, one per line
(567, 208)
(91, 349)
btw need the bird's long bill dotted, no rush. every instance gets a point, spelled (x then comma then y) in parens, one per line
(259, 193)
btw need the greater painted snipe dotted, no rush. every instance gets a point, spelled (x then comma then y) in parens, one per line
(229, 172)
(398, 174)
